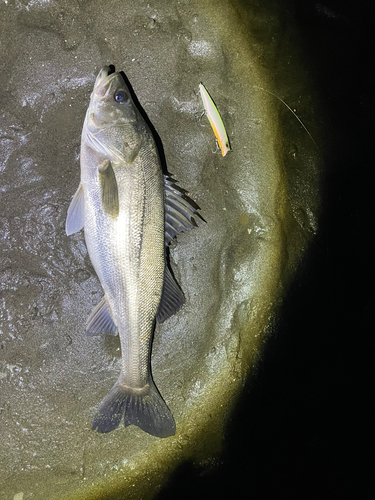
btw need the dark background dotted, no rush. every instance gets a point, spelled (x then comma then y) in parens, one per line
(304, 427)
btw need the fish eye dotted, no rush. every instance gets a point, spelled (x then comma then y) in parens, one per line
(121, 97)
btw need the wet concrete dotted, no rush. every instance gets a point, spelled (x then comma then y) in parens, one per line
(260, 203)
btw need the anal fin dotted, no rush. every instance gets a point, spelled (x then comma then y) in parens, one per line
(100, 320)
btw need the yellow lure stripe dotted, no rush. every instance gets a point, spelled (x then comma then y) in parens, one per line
(215, 120)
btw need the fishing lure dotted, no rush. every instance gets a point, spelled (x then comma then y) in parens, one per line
(215, 120)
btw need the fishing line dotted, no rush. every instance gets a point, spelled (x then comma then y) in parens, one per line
(290, 109)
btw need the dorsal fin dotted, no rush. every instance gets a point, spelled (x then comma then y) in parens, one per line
(172, 298)
(179, 210)
(179, 217)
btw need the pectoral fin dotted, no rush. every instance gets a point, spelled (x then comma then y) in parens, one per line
(75, 217)
(108, 189)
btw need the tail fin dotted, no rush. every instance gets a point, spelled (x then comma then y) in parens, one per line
(147, 410)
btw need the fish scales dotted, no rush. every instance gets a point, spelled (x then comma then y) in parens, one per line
(135, 242)
(121, 204)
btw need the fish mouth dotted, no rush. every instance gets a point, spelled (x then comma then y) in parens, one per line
(103, 81)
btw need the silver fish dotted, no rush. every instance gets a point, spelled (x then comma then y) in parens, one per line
(130, 213)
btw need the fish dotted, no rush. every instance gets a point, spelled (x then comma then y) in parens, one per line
(215, 120)
(130, 212)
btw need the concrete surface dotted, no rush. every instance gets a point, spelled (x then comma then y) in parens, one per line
(260, 203)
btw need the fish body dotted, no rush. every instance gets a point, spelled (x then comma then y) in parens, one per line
(129, 212)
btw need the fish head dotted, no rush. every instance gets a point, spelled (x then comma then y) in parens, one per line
(113, 126)
(110, 103)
